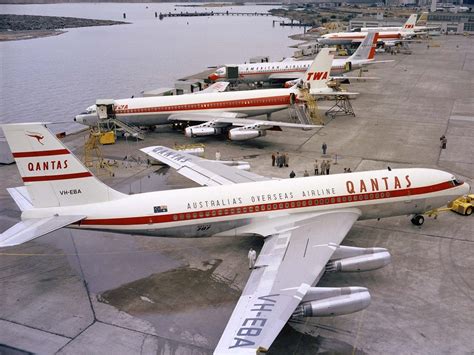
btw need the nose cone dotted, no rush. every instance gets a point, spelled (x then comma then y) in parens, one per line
(87, 119)
(213, 77)
(188, 132)
(465, 188)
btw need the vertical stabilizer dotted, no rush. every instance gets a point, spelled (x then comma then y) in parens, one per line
(366, 49)
(317, 74)
(53, 176)
(410, 24)
(423, 19)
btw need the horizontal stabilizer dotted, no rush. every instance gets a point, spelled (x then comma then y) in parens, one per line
(338, 78)
(30, 229)
(21, 197)
(335, 93)
(377, 62)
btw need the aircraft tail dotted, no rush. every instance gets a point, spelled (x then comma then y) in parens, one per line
(318, 72)
(366, 49)
(423, 19)
(53, 176)
(410, 24)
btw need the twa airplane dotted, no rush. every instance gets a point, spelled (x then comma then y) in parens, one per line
(386, 37)
(223, 110)
(303, 222)
(294, 69)
(408, 25)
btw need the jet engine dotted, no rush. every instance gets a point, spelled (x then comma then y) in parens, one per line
(239, 134)
(351, 259)
(332, 301)
(200, 131)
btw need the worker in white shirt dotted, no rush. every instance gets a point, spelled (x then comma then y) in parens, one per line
(252, 257)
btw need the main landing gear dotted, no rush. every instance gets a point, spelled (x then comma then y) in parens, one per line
(418, 220)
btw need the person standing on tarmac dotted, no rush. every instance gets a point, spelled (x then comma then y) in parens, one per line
(252, 255)
(316, 167)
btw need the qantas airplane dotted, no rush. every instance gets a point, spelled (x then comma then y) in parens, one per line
(294, 69)
(223, 110)
(386, 37)
(303, 222)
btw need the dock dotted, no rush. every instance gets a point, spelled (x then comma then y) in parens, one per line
(211, 13)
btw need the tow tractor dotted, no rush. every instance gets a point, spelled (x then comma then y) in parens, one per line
(463, 205)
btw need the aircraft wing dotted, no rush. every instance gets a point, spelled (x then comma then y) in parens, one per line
(291, 261)
(203, 171)
(223, 119)
(204, 117)
(30, 229)
(220, 86)
(377, 62)
(284, 76)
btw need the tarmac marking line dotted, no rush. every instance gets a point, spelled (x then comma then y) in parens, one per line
(420, 234)
(361, 321)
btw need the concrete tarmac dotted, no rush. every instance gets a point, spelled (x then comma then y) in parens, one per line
(90, 292)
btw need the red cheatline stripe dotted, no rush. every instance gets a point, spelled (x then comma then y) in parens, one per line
(265, 207)
(230, 104)
(41, 153)
(56, 177)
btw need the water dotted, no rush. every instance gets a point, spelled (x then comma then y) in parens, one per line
(55, 78)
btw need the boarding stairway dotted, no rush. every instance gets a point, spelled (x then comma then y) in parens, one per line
(306, 112)
(117, 125)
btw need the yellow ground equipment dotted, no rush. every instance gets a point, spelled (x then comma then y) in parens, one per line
(463, 205)
(93, 155)
(107, 138)
(312, 108)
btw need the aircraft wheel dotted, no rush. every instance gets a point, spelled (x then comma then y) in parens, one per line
(468, 211)
(418, 220)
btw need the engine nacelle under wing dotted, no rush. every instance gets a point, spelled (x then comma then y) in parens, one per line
(200, 131)
(331, 301)
(353, 259)
(239, 134)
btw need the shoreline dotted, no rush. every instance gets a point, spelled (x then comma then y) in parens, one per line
(22, 27)
(24, 35)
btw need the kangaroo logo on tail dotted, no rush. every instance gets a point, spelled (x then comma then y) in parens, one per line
(39, 137)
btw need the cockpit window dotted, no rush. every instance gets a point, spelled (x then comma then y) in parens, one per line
(457, 182)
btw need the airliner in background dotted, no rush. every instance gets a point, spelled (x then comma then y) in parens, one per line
(222, 112)
(303, 222)
(293, 69)
(388, 38)
(410, 24)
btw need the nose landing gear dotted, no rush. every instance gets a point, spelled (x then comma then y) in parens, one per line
(418, 220)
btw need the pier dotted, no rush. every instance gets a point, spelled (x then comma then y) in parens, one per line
(212, 13)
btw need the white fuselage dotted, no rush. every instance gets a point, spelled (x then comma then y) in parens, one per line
(206, 211)
(351, 37)
(148, 111)
(386, 29)
(289, 69)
